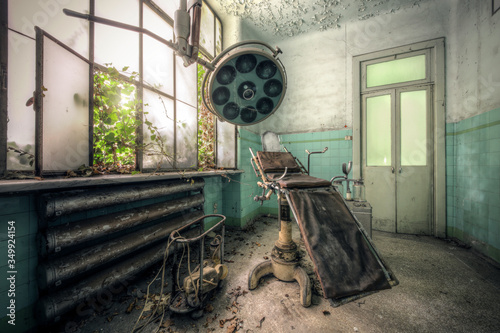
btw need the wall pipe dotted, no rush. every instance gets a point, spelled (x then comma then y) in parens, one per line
(56, 272)
(54, 205)
(55, 239)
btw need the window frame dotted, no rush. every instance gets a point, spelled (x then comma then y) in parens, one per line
(141, 85)
(365, 64)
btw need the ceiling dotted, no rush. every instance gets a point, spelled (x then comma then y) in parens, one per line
(287, 18)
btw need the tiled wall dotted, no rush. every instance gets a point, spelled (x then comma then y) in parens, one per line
(325, 165)
(239, 206)
(473, 182)
(21, 210)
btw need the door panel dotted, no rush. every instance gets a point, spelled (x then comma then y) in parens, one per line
(397, 159)
(414, 172)
(378, 155)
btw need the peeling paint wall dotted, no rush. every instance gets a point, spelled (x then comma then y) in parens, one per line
(318, 60)
(473, 61)
(319, 65)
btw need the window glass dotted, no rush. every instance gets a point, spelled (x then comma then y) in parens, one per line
(207, 30)
(378, 130)
(187, 125)
(226, 145)
(21, 115)
(395, 71)
(116, 46)
(159, 144)
(186, 81)
(414, 128)
(168, 6)
(158, 58)
(65, 109)
(158, 65)
(48, 15)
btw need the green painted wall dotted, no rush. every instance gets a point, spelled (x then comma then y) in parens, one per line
(473, 182)
(21, 210)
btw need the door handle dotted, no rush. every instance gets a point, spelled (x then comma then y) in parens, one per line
(400, 169)
(392, 169)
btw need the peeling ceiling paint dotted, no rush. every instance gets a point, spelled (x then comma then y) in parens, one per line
(287, 18)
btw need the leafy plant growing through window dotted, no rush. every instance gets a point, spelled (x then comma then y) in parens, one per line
(206, 131)
(116, 110)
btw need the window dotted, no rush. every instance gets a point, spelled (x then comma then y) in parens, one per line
(69, 52)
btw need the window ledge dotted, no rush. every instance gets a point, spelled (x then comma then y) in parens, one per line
(31, 185)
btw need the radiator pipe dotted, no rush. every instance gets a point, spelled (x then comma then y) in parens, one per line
(55, 239)
(69, 202)
(56, 272)
(95, 292)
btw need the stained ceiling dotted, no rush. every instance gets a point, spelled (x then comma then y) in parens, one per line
(287, 18)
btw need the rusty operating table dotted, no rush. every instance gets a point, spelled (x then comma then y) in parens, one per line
(345, 260)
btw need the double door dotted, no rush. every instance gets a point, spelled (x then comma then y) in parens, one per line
(397, 158)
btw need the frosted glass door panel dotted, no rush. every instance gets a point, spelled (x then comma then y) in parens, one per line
(207, 30)
(378, 131)
(65, 109)
(396, 71)
(21, 125)
(160, 112)
(414, 128)
(113, 45)
(226, 145)
(46, 14)
(186, 83)
(187, 136)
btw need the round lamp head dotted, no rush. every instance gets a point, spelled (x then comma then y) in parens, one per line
(246, 87)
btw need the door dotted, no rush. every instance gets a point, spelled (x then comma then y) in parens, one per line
(397, 158)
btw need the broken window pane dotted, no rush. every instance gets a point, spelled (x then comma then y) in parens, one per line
(21, 115)
(65, 109)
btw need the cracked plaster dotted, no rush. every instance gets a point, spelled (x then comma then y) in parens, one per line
(288, 18)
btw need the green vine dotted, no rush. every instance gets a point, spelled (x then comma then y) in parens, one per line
(206, 130)
(116, 120)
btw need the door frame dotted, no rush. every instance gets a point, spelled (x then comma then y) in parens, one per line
(436, 49)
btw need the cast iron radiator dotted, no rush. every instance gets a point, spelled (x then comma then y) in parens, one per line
(114, 234)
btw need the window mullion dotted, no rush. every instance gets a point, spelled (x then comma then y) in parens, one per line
(139, 155)
(3, 86)
(91, 82)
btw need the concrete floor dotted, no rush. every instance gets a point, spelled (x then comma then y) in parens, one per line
(443, 288)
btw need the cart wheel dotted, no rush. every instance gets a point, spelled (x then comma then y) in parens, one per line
(197, 314)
